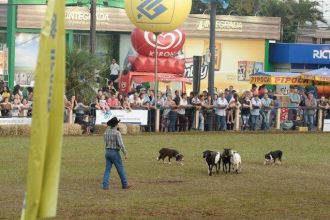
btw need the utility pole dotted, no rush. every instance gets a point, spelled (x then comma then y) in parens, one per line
(213, 15)
(92, 37)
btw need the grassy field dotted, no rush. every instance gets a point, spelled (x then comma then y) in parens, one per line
(297, 189)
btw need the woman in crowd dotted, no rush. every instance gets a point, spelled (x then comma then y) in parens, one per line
(172, 115)
(5, 107)
(232, 106)
(245, 111)
(5, 93)
(113, 101)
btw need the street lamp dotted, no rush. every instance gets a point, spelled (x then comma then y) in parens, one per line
(213, 16)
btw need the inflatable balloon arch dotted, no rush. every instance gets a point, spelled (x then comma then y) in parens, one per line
(142, 65)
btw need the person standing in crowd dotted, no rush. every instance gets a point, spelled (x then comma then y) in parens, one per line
(310, 107)
(190, 112)
(113, 101)
(293, 103)
(80, 109)
(5, 93)
(168, 90)
(232, 106)
(113, 144)
(265, 111)
(177, 97)
(114, 72)
(323, 106)
(246, 111)
(256, 105)
(208, 105)
(312, 89)
(196, 102)
(220, 111)
(182, 112)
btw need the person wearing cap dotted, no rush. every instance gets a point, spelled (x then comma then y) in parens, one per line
(113, 144)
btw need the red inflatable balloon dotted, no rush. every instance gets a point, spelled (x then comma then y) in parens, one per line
(165, 65)
(169, 44)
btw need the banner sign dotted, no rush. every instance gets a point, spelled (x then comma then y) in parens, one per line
(15, 121)
(300, 53)
(279, 80)
(139, 117)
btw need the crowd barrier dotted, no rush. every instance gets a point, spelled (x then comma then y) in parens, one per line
(151, 118)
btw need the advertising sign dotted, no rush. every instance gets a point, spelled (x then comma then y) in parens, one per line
(139, 117)
(300, 53)
(157, 16)
(236, 59)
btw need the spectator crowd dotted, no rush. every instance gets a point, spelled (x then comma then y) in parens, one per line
(257, 107)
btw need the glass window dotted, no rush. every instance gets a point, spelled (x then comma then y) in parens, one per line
(106, 45)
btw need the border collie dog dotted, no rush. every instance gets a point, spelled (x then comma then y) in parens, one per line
(212, 159)
(271, 157)
(166, 152)
(225, 156)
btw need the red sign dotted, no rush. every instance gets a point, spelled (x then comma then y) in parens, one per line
(169, 44)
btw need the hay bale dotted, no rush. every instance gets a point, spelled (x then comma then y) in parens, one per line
(8, 130)
(122, 128)
(133, 129)
(72, 129)
(24, 130)
(99, 129)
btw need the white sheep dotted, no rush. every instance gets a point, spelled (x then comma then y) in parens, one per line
(236, 161)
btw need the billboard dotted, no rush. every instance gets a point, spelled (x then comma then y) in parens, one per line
(236, 60)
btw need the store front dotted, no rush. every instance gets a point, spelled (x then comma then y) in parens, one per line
(300, 58)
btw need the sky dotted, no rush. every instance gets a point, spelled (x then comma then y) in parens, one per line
(326, 9)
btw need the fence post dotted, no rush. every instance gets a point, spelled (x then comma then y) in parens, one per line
(237, 119)
(157, 118)
(278, 119)
(70, 116)
(320, 119)
(196, 119)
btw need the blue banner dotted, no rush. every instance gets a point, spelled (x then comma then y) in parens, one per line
(224, 3)
(299, 53)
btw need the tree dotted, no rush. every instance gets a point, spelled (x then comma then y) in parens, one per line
(294, 15)
(80, 75)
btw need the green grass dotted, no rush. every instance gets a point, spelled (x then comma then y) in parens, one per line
(297, 189)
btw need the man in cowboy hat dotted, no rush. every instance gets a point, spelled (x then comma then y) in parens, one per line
(113, 144)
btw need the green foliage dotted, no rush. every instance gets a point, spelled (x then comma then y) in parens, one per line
(80, 75)
(294, 14)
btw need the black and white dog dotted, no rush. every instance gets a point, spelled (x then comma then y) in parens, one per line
(212, 159)
(225, 156)
(271, 157)
(166, 152)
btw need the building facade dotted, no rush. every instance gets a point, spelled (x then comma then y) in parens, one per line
(242, 43)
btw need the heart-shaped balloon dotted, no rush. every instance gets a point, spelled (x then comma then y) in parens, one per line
(169, 43)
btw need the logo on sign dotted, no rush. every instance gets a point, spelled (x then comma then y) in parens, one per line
(151, 9)
(321, 54)
(165, 40)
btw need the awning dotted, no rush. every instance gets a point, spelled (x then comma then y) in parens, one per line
(278, 78)
(322, 75)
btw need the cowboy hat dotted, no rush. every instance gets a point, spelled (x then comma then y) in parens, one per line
(113, 122)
